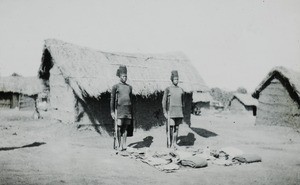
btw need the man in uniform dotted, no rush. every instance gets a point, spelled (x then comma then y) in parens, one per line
(173, 104)
(121, 107)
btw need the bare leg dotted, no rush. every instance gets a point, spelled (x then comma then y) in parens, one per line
(175, 135)
(171, 135)
(119, 137)
(124, 138)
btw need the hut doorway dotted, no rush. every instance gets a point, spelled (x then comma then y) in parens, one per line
(5, 100)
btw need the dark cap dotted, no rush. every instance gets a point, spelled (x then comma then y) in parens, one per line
(122, 70)
(174, 73)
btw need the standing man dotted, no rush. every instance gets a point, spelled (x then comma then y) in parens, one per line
(173, 104)
(121, 107)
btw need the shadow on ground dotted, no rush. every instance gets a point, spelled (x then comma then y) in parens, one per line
(203, 132)
(187, 140)
(35, 144)
(147, 141)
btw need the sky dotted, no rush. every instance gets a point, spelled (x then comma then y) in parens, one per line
(231, 43)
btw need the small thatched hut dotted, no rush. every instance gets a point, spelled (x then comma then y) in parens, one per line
(201, 100)
(80, 80)
(243, 103)
(279, 98)
(19, 92)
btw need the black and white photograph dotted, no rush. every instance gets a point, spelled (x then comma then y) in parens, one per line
(140, 92)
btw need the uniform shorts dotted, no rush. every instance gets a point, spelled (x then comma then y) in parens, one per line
(175, 121)
(123, 121)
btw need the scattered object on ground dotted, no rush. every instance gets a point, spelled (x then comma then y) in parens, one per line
(248, 158)
(123, 153)
(171, 167)
(154, 161)
(14, 134)
(183, 154)
(231, 151)
(163, 160)
(135, 150)
(223, 162)
(194, 162)
(169, 160)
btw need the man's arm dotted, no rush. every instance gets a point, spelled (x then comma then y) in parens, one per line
(113, 100)
(183, 100)
(164, 102)
(131, 100)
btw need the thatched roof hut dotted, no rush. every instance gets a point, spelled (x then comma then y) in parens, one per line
(88, 75)
(202, 97)
(279, 98)
(201, 100)
(18, 91)
(243, 102)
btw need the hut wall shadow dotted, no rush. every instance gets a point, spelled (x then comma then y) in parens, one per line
(98, 112)
(188, 100)
(203, 132)
(147, 111)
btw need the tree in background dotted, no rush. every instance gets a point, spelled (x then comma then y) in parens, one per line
(221, 95)
(241, 90)
(224, 96)
(16, 75)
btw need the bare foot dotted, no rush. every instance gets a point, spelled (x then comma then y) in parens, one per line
(175, 146)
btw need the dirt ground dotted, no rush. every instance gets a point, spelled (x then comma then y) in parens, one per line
(48, 152)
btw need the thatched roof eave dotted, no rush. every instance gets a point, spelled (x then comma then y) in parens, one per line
(91, 72)
(245, 99)
(29, 86)
(290, 79)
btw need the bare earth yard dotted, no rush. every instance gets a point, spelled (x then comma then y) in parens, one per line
(49, 152)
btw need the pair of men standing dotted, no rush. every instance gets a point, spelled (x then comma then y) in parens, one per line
(121, 108)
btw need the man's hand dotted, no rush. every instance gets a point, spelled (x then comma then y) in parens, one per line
(166, 115)
(113, 115)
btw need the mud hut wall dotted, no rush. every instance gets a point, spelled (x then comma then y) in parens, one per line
(95, 112)
(276, 107)
(62, 99)
(148, 111)
(188, 100)
(5, 100)
(26, 102)
(236, 105)
(15, 100)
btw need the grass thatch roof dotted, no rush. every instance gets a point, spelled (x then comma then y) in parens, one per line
(245, 99)
(288, 77)
(90, 72)
(23, 85)
(202, 97)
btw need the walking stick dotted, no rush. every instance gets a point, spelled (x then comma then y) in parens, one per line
(116, 123)
(116, 129)
(168, 132)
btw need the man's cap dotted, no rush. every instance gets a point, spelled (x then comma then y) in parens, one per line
(174, 73)
(122, 70)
